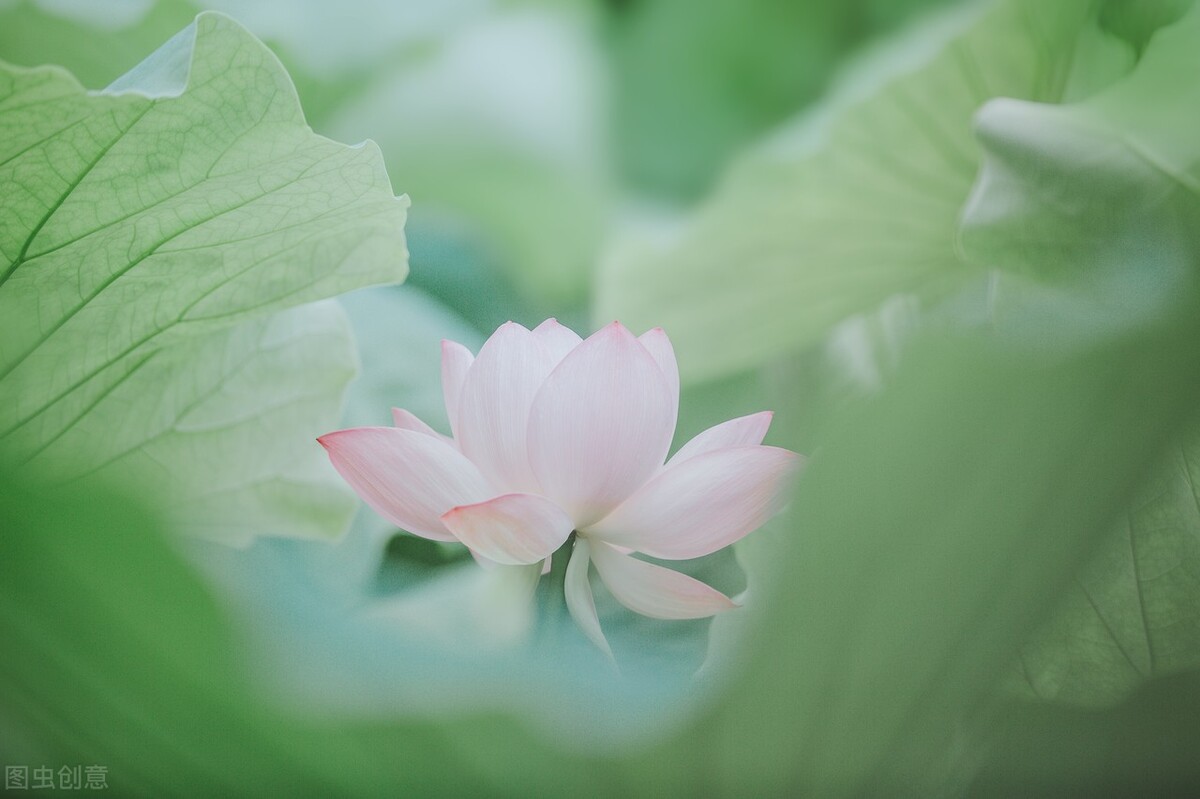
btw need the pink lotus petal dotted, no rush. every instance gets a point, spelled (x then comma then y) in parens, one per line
(556, 338)
(512, 529)
(600, 425)
(659, 346)
(409, 478)
(494, 408)
(654, 591)
(406, 420)
(578, 592)
(547, 564)
(456, 362)
(702, 504)
(745, 431)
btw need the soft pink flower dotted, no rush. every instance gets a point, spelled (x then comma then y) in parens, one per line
(552, 434)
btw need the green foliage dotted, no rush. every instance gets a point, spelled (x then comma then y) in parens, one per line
(489, 115)
(96, 49)
(853, 202)
(1133, 612)
(495, 129)
(149, 231)
(1130, 152)
(399, 331)
(694, 84)
(1144, 747)
(120, 655)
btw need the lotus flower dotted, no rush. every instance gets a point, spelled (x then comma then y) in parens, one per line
(554, 436)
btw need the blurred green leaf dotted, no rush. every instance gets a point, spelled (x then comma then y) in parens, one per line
(454, 261)
(1144, 747)
(696, 83)
(118, 655)
(143, 225)
(1134, 612)
(498, 129)
(399, 331)
(95, 42)
(855, 201)
(1137, 20)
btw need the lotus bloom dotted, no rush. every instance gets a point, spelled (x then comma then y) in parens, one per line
(554, 435)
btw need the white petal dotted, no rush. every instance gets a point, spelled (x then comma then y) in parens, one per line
(654, 591)
(409, 478)
(556, 338)
(600, 425)
(512, 529)
(494, 408)
(456, 362)
(745, 431)
(659, 346)
(703, 504)
(578, 593)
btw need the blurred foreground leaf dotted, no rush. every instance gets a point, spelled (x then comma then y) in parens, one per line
(1134, 612)
(118, 655)
(1146, 746)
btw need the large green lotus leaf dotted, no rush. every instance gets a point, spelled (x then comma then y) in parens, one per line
(1134, 612)
(223, 427)
(142, 225)
(857, 200)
